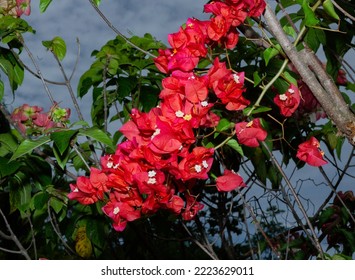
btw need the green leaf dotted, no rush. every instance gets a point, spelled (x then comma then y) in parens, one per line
(97, 2)
(148, 97)
(8, 69)
(289, 30)
(57, 46)
(61, 157)
(224, 124)
(310, 17)
(314, 38)
(259, 109)
(8, 143)
(290, 78)
(43, 5)
(28, 146)
(271, 52)
(98, 135)
(8, 168)
(39, 200)
(56, 204)
(329, 9)
(257, 78)
(235, 145)
(350, 86)
(62, 139)
(20, 197)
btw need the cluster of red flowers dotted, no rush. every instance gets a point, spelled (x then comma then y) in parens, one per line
(159, 165)
(33, 121)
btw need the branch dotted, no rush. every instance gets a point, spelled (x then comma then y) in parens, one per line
(14, 238)
(314, 240)
(117, 31)
(332, 102)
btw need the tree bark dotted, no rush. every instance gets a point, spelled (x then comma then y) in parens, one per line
(314, 75)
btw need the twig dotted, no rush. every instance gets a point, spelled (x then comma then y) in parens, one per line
(33, 237)
(211, 255)
(117, 31)
(104, 90)
(257, 224)
(77, 59)
(342, 10)
(14, 238)
(38, 70)
(304, 213)
(57, 231)
(76, 105)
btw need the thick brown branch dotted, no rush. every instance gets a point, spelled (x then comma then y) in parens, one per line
(332, 102)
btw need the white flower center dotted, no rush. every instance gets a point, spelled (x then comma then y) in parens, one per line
(198, 168)
(116, 210)
(204, 103)
(290, 90)
(156, 132)
(205, 164)
(151, 173)
(236, 78)
(152, 181)
(76, 190)
(283, 97)
(179, 114)
(109, 164)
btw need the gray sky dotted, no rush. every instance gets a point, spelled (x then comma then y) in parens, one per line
(70, 21)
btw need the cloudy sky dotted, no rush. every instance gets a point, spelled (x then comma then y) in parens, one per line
(77, 19)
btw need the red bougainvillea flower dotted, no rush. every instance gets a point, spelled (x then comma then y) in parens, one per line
(121, 210)
(309, 105)
(191, 208)
(289, 101)
(311, 153)
(229, 181)
(89, 190)
(341, 78)
(196, 164)
(250, 133)
(256, 8)
(175, 204)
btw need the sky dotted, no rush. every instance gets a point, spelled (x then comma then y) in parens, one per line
(77, 19)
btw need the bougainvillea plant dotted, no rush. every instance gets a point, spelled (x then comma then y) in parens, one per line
(232, 104)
